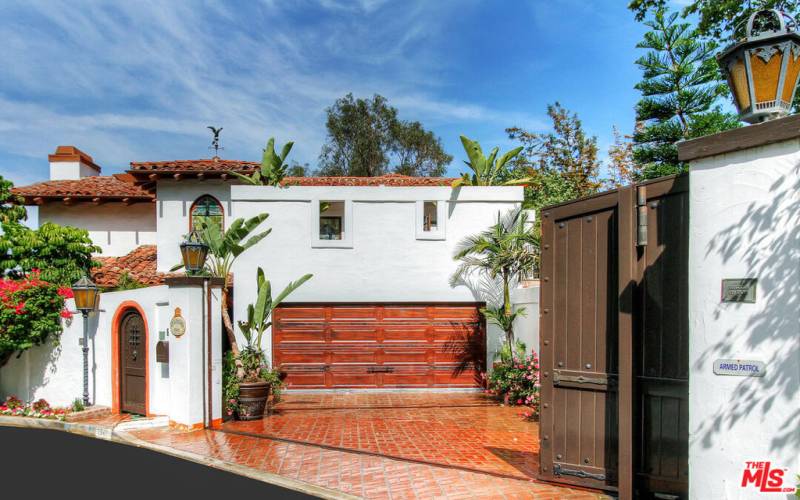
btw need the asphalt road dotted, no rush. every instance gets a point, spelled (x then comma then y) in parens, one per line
(39, 463)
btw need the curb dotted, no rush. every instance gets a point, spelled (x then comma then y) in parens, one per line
(124, 437)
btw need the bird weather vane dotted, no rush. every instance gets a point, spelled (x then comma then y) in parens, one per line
(215, 142)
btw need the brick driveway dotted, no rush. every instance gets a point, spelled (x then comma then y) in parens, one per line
(391, 445)
(464, 430)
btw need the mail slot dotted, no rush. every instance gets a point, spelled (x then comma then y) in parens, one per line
(162, 351)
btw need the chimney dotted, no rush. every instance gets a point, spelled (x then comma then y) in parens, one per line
(70, 163)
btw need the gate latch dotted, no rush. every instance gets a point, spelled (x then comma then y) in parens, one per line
(559, 470)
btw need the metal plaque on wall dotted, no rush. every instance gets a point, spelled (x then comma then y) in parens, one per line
(739, 367)
(739, 290)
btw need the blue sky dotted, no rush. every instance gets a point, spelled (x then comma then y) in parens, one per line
(139, 81)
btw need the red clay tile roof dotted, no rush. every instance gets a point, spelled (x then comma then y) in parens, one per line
(217, 166)
(193, 166)
(140, 264)
(105, 187)
(394, 180)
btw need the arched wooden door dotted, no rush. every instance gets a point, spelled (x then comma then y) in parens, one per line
(133, 384)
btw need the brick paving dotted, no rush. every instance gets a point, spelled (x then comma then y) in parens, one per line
(359, 474)
(465, 430)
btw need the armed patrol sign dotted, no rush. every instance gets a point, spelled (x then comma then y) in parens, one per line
(739, 367)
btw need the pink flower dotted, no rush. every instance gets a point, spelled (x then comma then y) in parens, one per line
(519, 401)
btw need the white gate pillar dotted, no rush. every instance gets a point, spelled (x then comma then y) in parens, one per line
(195, 371)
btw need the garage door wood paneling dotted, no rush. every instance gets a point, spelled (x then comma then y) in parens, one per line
(379, 345)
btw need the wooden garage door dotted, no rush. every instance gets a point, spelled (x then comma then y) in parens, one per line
(379, 345)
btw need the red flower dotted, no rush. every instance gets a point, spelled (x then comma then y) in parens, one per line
(66, 314)
(66, 292)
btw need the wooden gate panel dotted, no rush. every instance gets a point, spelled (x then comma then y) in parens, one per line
(614, 341)
(579, 414)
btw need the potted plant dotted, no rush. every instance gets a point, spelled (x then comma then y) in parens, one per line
(255, 376)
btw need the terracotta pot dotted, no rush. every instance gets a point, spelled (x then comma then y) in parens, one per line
(252, 400)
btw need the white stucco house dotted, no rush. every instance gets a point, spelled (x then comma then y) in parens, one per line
(379, 312)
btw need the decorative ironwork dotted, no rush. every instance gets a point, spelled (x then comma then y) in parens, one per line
(215, 142)
(134, 339)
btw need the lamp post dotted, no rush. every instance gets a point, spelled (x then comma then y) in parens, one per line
(194, 252)
(86, 294)
(762, 67)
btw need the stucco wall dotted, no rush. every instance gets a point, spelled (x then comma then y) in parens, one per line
(56, 372)
(745, 223)
(387, 263)
(114, 227)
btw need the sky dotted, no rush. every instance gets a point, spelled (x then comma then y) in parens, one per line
(141, 81)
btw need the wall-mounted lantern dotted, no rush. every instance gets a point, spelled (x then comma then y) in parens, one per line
(762, 67)
(194, 252)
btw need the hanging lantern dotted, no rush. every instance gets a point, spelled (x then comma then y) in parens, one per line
(86, 295)
(763, 66)
(194, 253)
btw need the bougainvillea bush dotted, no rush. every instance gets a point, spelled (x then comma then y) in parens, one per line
(38, 409)
(31, 311)
(517, 382)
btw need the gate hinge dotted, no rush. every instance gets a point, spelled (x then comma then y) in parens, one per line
(641, 216)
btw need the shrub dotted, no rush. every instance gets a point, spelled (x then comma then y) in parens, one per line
(518, 380)
(31, 310)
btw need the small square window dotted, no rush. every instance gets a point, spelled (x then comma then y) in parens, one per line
(331, 224)
(431, 217)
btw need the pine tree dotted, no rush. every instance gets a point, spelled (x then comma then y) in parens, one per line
(680, 85)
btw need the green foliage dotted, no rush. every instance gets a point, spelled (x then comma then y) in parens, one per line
(62, 253)
(487, 170)
(517, 379)
(504, 320)
(273, 169)
(681, 82)
(507, 250)
(563, 160)
(365, 135)
(30, 312)
(230, 383)
(127, 282)
(11, 205)
(259, 317)
(77, 405)
(716, 18)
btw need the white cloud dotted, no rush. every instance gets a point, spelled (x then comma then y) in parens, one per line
(141, 80)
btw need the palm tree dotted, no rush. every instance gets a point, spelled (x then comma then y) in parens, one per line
(487, 171)
(505, 251)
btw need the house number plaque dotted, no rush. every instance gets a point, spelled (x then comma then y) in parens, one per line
(739, 290)
(177, 325)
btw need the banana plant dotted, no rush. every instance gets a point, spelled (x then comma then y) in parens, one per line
(272, 170)
(487, 171)
(259, 320)
(223, 249)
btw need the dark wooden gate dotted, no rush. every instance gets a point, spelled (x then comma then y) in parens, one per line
(132, 363)
(614, 341)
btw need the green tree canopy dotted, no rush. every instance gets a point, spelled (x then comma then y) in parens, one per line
(716, 18)
(680, 85)
(11, 205)
(367, 139)
(62, 254)
(561, 164)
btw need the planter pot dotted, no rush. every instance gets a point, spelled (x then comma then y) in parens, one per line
(252, 400)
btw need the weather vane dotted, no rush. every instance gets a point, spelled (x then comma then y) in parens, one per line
(215, 142)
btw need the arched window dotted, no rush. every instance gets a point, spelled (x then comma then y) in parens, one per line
(206, 208)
